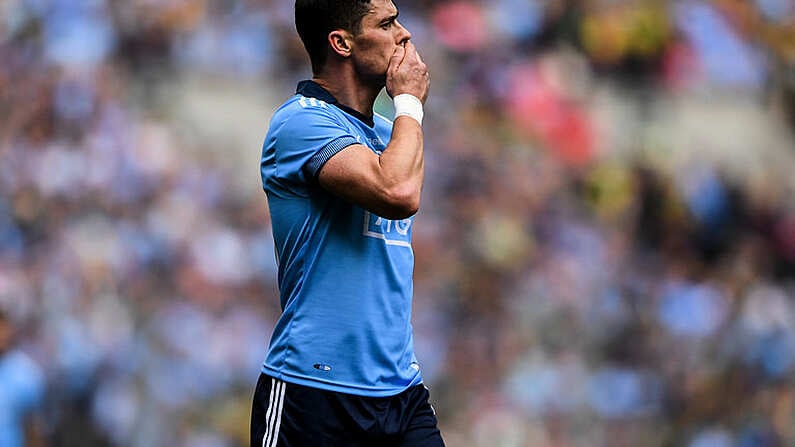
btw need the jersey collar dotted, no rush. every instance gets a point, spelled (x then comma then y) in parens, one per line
(312, 89)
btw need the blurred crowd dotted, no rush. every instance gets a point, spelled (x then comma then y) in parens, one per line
(605, 248)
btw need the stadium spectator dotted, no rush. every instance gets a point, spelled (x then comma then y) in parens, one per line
(22, 385)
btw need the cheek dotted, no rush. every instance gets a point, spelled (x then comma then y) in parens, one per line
(375, 53)
(378, 43)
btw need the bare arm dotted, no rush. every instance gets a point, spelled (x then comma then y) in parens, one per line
(388, 185)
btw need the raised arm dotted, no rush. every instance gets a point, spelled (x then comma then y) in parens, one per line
(388, 185)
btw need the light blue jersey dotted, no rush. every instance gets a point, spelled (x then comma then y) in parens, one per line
(21, 393)
(345, 275)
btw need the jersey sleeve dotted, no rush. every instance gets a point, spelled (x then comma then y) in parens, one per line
(305, 141)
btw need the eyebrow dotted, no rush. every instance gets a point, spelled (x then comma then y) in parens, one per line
(391, 18)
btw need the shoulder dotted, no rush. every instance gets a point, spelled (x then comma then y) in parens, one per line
(300, 108)
(306, 124)
(302, 118)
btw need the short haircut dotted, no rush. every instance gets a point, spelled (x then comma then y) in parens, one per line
(315, 19)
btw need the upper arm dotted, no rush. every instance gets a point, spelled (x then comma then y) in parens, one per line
(356, 175)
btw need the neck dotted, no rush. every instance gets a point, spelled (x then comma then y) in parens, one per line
(349, 89)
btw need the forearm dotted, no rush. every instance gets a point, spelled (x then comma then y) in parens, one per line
(403, 162)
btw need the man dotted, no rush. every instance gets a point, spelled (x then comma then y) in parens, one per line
(343, 185)
(21, 390)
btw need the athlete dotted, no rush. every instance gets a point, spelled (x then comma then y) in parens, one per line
(343, 185)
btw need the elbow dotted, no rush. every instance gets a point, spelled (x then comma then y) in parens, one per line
(402, 202)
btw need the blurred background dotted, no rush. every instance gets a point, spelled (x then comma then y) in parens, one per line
(605, 249)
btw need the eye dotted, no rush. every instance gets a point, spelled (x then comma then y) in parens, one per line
(388, 24)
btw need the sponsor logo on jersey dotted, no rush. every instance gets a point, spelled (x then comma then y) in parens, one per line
(393, 232)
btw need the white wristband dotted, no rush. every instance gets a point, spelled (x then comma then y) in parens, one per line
(408, 105)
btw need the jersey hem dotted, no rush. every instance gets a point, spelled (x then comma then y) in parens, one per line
(312, 382)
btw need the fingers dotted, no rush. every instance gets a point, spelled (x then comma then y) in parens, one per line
(412, 53)
(411, 50)
(407, 73)
(398, 56)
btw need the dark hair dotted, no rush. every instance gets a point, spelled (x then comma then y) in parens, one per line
(315, 19)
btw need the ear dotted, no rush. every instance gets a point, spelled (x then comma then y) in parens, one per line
(341, 42)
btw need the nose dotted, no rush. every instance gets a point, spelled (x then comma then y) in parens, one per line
(403, 34)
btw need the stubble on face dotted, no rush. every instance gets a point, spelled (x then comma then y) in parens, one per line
(375, 44)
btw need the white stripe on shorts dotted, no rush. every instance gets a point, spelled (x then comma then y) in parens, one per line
(274, 417)
(279, 411)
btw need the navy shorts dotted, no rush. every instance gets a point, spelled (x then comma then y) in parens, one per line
(289, 415)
